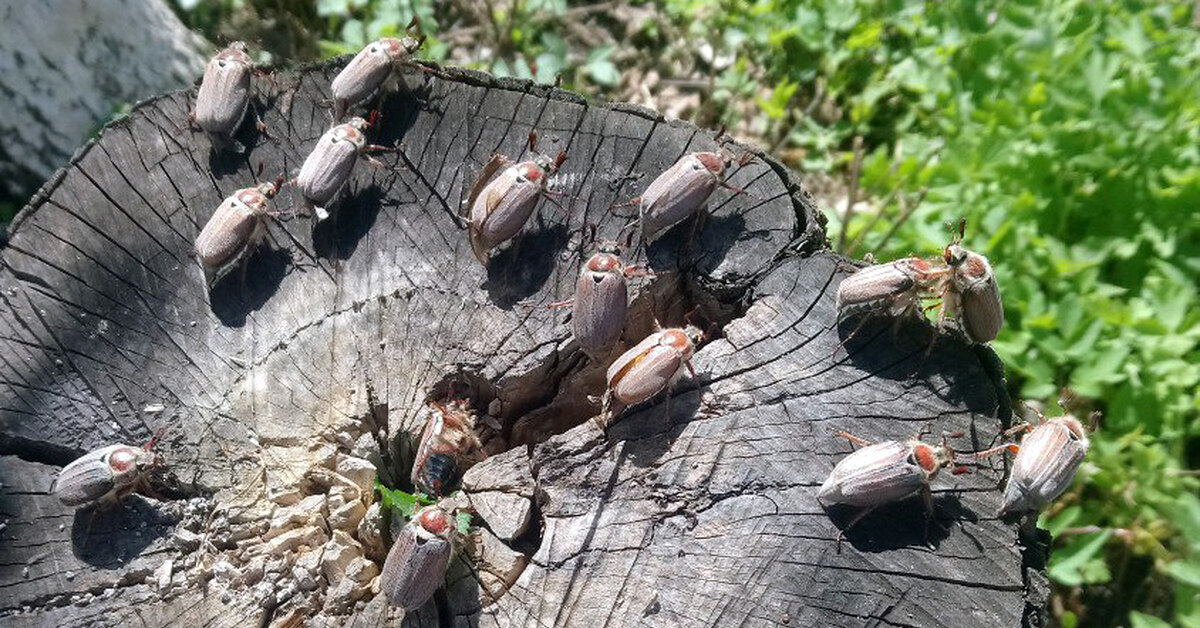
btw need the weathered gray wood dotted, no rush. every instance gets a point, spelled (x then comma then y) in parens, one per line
(281, 390)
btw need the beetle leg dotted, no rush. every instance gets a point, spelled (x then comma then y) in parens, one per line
(927, 501)
(691, 370)
(861, 442)
(1020, 427)
(558, 304)
(732, 188)
(1012, 448)
(854, 521)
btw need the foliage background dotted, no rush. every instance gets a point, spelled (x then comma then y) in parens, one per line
(1067, 132)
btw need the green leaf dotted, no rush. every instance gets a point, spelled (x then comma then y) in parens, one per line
(1142, 620)
(1185, 572)
(405, 504)
(332, 7)
(462, 521)
(600, 69)
(1080, 562)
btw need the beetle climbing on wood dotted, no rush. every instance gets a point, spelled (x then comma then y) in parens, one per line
(885, 472)
(601, 301)
(448, 447)
(329, 166)
(680, 191)
(104, 476)
(1045, 463)
(235, 228)
(224, 97)
(373, 69)
(504, 197)
(648, 368)
(972, 298)
(416, 565)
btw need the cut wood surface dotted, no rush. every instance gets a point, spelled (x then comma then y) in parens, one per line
(285, 390)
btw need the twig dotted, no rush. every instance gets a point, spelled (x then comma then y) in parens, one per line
(858, 239)
(908, 211)
(855, 166)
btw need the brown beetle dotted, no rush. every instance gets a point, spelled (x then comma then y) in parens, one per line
(371, 70)
(504, 196)
(648, 368)
(416, 565)
(448, 447)
(972, 297)
(224, 97)
(234, 228)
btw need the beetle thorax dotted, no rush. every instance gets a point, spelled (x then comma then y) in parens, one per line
(394, 48)
(1074, 427)
(712, 161)
(529, 171)
(251, 201)
(350, 132)
(604, 263)
(435, 521)
(676, 339)
(235, 53)
(931, 459)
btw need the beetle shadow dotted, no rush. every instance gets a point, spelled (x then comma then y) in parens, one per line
(884, 347)
(523, 267)
(398, 113)
(223, 161)
(244, 290)
(651, 427)
(900, 524)
(338, 236)
(111, 538)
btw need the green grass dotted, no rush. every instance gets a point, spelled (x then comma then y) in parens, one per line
(1066, 133)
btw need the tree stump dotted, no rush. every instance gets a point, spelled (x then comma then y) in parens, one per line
(284, 390)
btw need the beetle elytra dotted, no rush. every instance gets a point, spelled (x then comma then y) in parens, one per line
(224, 96)
(416, 565)
(504, 196)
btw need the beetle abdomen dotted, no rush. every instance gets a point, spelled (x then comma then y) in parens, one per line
(432, 474)
(598, 314)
